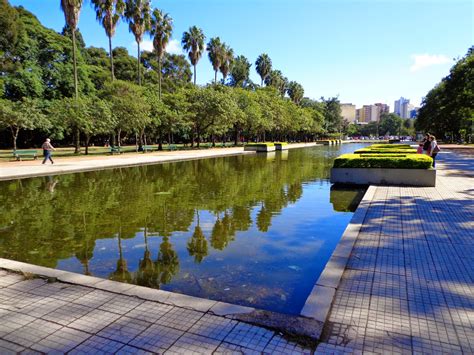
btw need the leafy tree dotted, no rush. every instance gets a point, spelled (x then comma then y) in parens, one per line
(137, 14)
(108, 13)
(161, 29)
(215, 51)
(448, 109)
(390, 124)
(193, 43)
(21, 115)
(12, 30)
(295, 91)
(240, 72)
(332, 115)
(227, 61)
(263, 65)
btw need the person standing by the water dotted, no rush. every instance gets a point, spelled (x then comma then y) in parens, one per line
(47, 150)
(426, 144)
(434, 149)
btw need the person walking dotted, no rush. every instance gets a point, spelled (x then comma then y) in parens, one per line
(47, 150)
(434, 149)
(426, 144)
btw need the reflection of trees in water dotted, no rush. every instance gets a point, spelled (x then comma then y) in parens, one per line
(42, 228)
(197, 244)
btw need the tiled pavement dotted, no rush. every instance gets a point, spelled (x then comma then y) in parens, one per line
(409, 283)
(408, 288)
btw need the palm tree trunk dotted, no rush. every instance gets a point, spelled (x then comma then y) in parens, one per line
(111, 59)
(138, 65)
(159, 78)
(194, 74)
(215, 77)
(74, 62)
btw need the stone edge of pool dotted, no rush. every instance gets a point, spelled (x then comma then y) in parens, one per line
(31, 171)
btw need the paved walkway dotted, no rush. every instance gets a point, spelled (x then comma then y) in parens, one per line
(408, 287)
(30, 168)
(409, 283)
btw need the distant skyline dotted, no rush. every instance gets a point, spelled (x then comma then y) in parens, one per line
(362, 51)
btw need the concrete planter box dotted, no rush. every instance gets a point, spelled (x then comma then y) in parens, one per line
(259, 148)
(281, 146)
(368, 176)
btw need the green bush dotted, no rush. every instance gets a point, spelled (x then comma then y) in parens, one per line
(390, 146)
(410, 161)
(385, 151)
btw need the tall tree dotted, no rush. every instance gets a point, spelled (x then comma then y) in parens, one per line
(215, 49)
(137, 14)
(72, 9)
(263, 65)
(240, 71)
(227, 61)
(295, 92)
(193, 43)
(161, 29)
(108, 13)
(277, 80)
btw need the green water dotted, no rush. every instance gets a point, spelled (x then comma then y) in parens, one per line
(254, 230)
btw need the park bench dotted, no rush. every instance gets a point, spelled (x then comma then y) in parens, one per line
(172, 147)
(148, 148)
(114, 150)
(18, 154)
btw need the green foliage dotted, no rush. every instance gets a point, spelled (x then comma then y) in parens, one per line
(240, 72)
(448, 108)
(332, 115)
(263, 65)
(409, 161)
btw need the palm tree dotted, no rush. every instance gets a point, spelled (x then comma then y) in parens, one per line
(72, 9)
(108, 13)
(161, 29)
(278, 81)
(137, 14)
(215, 49)
(263, 65)
(227, 60)
(295, 91)
(193, 43)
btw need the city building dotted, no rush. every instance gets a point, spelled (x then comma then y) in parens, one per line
(402, 107)
(348, 112)
(414, 112)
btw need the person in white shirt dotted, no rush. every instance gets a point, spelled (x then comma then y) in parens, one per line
(434, 149)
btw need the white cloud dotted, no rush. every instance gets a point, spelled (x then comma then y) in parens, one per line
(422, 61)
(174, 47)
(146, 45)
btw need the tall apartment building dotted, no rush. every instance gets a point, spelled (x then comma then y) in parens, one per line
(383, 108)
(348, 112)
(369, 113)
(402, 107)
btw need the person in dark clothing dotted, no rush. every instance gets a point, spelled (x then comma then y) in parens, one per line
(426, 144)
(47, 151)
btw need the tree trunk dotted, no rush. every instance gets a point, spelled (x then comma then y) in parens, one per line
(138, 65)
(14, 136)
(113, 140)
(77, 141)
(111, 59)
(159, 78)
(236, 137)
(88, 138)
(160, 142)
(194, 74)
(215, 77)
(136, 141)
(198, 133)
(74, 62)
(213, 139)
(118, 137)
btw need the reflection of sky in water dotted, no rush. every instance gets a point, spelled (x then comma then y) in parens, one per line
(277, 225)
(274, 270)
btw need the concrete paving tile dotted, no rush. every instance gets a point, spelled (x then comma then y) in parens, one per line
(149, 311)
(121, 304)
(124, 329)
(156, 338)
(61, 341)
(67, 314)
(97, 345)
(213, 327)
(249, 336)
(32, 333)
(94, 299)
(344, 335)
(193, 344)
(8, 348)
(281, 346)
(12, 321)
(232, 349)
(94, 321)
(180, 318)
(130, 350)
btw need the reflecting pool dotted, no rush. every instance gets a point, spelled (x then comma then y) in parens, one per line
(254, 230)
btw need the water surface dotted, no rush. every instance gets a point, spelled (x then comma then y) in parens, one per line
(253, 230)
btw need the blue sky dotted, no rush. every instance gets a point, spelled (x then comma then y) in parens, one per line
(364, 51)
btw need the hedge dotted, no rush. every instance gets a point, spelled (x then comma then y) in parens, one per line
(410, 161)
(263, 143)
(390, 146)
(385, 151)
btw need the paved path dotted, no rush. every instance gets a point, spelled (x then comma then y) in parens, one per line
(408, 287)
(29, 168)
(409, 283)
